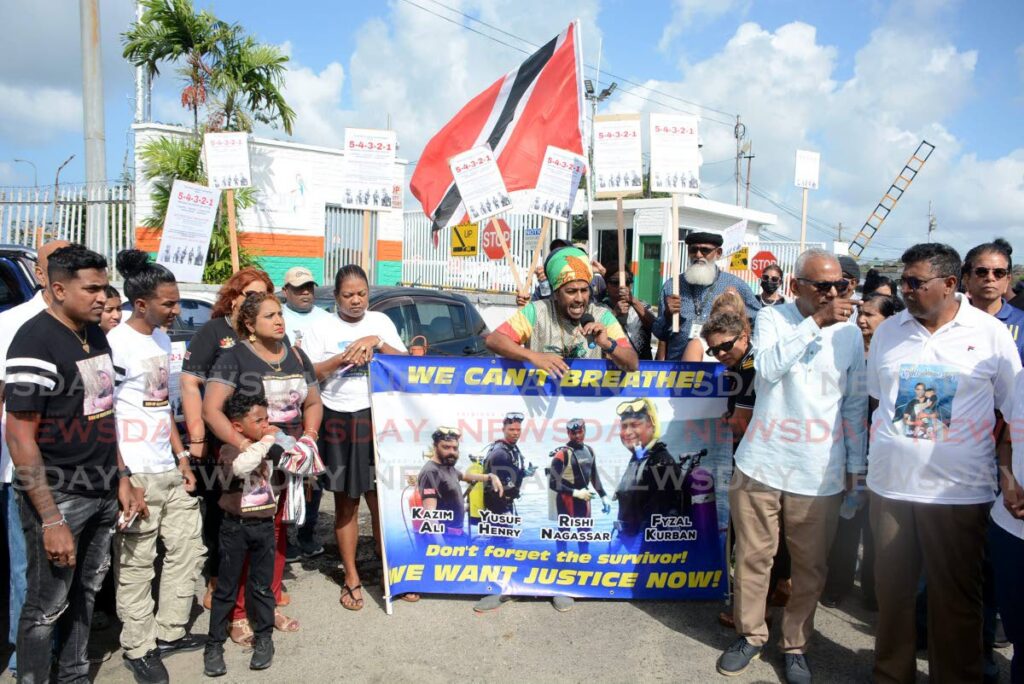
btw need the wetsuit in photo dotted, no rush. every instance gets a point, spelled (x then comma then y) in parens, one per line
(648, 486)
(506, 461)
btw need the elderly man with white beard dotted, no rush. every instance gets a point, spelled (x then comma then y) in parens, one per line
(697, 288)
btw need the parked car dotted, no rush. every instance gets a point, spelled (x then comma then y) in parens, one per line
(196, 308)
(450, 322)
(17, 275)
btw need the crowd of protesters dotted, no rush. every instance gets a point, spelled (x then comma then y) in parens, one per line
(918, 378)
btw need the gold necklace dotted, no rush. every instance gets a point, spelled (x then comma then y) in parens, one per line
(82, 340)
(280, 361)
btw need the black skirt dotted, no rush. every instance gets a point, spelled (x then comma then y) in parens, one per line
(346, 447)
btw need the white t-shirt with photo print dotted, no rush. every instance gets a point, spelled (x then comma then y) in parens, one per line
(932, 433)
(347, 392)
(142, 398)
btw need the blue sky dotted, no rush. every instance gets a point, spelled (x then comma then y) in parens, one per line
(859, 81)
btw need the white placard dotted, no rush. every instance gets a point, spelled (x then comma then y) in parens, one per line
(557, 183)
(187, 229)
(732, 237)
(618, 166)
(368, 179)
(675, 155)
(480, 183)
(226, 158)
(807, 165)
(391, 225)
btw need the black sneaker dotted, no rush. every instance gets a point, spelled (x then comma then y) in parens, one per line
(189, 642)
(311, 549)
(797, 669)
(292, 553)
(148, 669)
(213, 660)
(262, 653)
(736, 659)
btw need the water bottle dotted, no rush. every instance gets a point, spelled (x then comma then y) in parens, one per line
(285, 441)
(853, 501)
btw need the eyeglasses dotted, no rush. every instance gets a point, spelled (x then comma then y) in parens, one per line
(448, 432)
(632, 409)
(575, 424)
(514, 417)
(724, 347)
(983, 272)
(701, 250)
(825, 286)
(771, 279)
(914, 284)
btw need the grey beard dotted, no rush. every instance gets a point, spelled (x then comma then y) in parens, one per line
(701, 274)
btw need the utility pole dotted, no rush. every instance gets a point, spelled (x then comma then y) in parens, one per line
(142, 85)
(95, 138)
(739, 131)
(840, 229)
(748, 148)
(933, 223)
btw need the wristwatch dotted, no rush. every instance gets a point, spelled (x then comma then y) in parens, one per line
(611, 349)
(380, 343)
(124, 472)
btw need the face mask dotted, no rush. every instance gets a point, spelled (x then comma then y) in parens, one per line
(769, 287)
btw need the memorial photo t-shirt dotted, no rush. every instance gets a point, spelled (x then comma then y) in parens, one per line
(71, 386)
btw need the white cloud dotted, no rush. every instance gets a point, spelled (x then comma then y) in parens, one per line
(686, 13)
(905, 86)
(37, 115)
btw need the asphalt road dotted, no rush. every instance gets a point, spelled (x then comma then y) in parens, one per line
(441, 639)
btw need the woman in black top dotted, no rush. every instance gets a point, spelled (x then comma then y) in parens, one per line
(771, 283)
(217, 335)
(265, 364)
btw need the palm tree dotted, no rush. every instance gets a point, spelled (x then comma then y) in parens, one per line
(172, 31)
(247, 84)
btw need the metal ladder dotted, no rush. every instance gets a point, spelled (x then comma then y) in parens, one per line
(891, 198)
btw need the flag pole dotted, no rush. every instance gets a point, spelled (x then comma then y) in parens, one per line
(508, 254)
(544, 227)
(674, 256)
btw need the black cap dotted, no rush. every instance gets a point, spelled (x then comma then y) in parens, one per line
(849, 266)
(704, 239)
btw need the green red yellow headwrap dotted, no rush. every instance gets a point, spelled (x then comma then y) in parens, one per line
(567, 265)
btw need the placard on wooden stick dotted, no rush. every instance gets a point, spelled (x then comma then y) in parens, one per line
(368, 176)
(557, 183)
(618, 167)
(226, 160)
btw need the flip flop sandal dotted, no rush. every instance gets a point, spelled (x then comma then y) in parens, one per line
(283, 623)
(241, 632)
(357, 603)
(410, 598)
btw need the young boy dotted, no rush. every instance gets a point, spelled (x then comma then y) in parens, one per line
(249, 504)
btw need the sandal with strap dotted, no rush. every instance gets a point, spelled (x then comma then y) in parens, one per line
(241, 632)
(283, 623)
(286, 599)
(357, 603)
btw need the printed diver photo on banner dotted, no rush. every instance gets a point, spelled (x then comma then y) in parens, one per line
(495, 478)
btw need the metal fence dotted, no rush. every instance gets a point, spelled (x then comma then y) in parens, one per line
(785, 254)
(425, 264)
(30, 216)
(343, 238)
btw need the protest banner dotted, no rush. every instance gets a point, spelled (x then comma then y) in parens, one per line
(805, 175)
(483, 192)
(226, 157)
(675, 155)
(663, 540)
(368, 176)
(188, 225)
(618, 167)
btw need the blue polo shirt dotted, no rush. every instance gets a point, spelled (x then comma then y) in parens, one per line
(1013, 319)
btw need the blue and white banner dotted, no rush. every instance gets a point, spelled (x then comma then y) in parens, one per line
(494, 477)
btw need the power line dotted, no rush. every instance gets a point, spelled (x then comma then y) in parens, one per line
(588, 66)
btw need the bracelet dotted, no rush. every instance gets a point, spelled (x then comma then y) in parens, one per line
(312, 434)
(192, 440)
(56, 523)
(183, 455)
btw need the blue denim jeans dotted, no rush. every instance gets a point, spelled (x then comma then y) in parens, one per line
(16, 553)
(62, 598)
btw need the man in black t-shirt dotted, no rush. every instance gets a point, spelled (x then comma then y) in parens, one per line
(63, 442)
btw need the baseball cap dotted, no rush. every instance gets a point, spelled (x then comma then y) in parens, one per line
(849, 267)
(297, 276)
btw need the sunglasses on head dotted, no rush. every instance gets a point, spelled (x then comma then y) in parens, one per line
(632, 409)
(724, 347)
(825, 286)
(448, 432)
(701, 250)
(575, 424)
(982, 272)
(913, 284)
(514, 417)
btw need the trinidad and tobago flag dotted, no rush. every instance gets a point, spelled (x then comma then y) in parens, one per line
(536, 105)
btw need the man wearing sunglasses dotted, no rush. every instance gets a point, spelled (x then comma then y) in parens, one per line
(806, 434)
(986, 276)
(931, 492)
(692, 293)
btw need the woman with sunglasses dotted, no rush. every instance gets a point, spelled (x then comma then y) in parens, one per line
(771, 285)
(730, 300)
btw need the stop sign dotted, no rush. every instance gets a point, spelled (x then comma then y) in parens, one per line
(490, 242)
(761, 261)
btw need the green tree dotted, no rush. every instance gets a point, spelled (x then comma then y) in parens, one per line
(238, 80)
